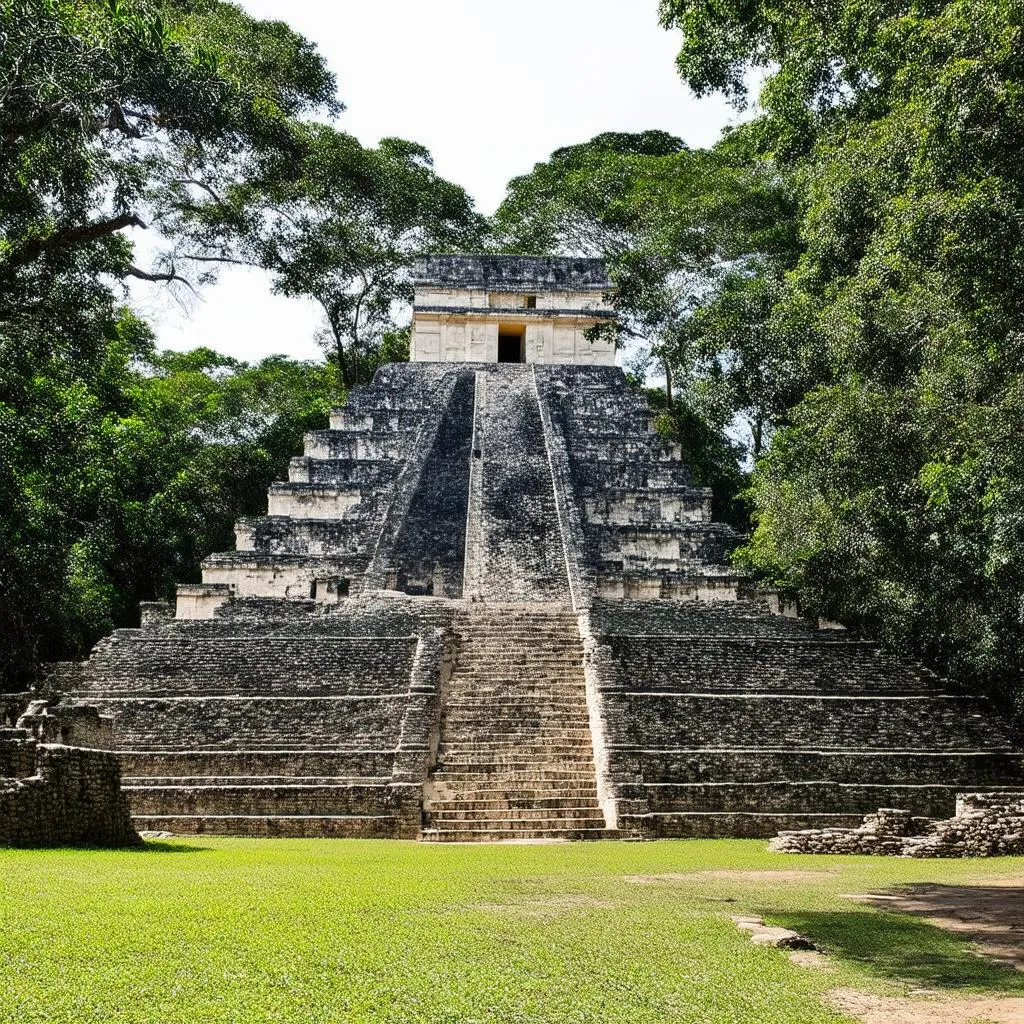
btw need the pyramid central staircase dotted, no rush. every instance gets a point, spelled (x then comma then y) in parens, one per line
(516, 758)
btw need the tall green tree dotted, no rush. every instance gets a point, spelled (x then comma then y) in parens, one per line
(892, 501)
(688, 237)
(340, 223)
(115, 113)
(117, 478)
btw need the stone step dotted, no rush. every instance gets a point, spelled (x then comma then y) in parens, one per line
(526, 748)
(470, 737)
(542, 728)
(505, 734)
(486, 761)
(515, 792)
(282, 800)
(530, 704)
(157, 781)
(556, 696)
(532, 716)
(531, 775)
(489, 701)
(519, 785)
(554, 689)
(512, 673)
(492, 801)
(507, 769)
(471, 816)
(460, 752)
(515, 835)
(543, 642)
(555, 625)
(569, 683)
(516, 718)
(348, 826)
(519, 666)
(497, 661)
(493, 657)
(551, 637)
(543, 746)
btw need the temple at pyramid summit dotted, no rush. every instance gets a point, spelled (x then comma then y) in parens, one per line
(489, 603)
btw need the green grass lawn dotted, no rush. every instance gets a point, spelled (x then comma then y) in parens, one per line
(211, 930)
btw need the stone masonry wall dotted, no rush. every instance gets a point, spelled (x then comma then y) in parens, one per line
(74, 798)
(726, 719)
(272, 718)
(519, 554)
(428, 553)
(535, 520)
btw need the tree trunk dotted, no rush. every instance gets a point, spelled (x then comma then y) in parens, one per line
(340, 355)
(668, 385)
(757, 429)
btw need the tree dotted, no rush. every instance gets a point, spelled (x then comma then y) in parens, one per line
(891, 501)
(119, 477)
(340, 223)
(689, 237)
(113, 113)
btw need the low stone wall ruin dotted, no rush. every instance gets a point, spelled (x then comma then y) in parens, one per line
(985, 825)
(54, 794)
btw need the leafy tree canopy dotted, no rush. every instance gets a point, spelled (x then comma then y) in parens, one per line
(121, 467)
(892, 500)
(684, 233)
(338, 222)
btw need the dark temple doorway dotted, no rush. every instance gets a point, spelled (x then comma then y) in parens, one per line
(511, 346)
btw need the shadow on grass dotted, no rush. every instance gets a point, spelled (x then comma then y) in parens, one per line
(897, 947)
(163, 846)
(147, 846)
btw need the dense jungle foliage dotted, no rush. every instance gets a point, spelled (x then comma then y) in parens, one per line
(121, 467)
(831, 294)
(890, 495)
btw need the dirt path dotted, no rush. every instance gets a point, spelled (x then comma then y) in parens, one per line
(873, 1009)
(992, 914)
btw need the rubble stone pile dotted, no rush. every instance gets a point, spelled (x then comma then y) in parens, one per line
(985, 825)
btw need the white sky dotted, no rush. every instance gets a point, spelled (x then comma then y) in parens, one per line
(489, 88)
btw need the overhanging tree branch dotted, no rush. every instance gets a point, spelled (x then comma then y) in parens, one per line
(69, 237)
(158, 276)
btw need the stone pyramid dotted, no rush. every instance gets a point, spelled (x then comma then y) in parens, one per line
(489, 603)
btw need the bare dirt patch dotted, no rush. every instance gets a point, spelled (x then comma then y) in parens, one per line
(811, 958)
(795, 877)
(873, 1009)
(992, 915)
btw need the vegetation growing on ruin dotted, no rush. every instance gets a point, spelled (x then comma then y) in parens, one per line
(222, 930)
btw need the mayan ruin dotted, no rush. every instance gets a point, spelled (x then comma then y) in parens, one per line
(489, 604)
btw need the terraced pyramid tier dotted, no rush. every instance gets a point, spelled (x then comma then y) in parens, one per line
(490, 603)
